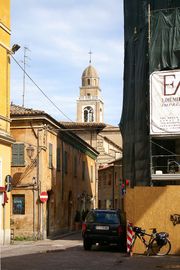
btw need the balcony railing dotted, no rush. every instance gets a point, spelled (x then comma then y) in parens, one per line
(90, 98)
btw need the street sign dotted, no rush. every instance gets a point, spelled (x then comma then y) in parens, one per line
(43, 196)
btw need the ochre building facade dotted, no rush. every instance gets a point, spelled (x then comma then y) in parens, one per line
(5, 139)
(47, 158)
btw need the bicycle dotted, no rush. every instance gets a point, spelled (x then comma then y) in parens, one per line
(158, 243)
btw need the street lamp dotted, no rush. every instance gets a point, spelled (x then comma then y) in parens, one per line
(30, 151)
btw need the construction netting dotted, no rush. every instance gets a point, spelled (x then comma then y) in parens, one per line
(151, 43)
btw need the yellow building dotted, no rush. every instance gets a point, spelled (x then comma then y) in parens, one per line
(109, 185)
(5, 139)
(47, 158)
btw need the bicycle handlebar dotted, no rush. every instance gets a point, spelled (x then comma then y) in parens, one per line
(139, 230)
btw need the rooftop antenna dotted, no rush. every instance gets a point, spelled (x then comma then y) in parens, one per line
(90, 56)
(24, 72)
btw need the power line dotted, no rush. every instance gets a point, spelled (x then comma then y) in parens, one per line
(41, 89)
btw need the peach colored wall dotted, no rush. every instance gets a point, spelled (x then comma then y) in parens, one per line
(150, 207)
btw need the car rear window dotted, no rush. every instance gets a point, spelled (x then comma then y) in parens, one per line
(103, 217)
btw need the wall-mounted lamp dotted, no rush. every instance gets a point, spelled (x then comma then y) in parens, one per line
(30, 151)
(15, 48)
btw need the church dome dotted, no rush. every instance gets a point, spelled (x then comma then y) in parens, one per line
(90, 72)
(90, 77)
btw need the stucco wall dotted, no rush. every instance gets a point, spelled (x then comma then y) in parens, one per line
(5, 140)
(151, 207)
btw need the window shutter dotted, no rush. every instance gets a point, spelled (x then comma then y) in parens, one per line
(50, 155)
(58, 159)
(21, 154)
(18, 154)
(92, 175)
(66, 162)
(75, 166)
(83, 170)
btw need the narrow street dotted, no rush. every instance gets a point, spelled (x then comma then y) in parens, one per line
(67, 253)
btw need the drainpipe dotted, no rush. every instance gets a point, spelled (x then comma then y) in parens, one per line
(113, 188)
(96, 185)
(38, 189)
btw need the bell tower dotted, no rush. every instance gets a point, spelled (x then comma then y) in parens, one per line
(90, 107)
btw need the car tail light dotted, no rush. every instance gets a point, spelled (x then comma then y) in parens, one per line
(119, 230)
(84, 227)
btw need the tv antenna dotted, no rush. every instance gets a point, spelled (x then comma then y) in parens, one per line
(24, 72)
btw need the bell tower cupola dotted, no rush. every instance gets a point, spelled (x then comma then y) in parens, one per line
(90, 107)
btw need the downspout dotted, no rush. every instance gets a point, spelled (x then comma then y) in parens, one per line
(36, 198)
(150, 140)
(62, 184)
(39, 189)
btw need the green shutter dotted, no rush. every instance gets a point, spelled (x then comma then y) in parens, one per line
(18, 154)
(21, 154)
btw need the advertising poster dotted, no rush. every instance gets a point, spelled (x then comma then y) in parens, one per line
(165, 102)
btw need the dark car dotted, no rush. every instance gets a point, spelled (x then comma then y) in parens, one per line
(104, 227)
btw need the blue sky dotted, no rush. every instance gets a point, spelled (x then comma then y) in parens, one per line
(59, 35)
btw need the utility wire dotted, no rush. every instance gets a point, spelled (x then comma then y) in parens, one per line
(41, 89)
(66, 129)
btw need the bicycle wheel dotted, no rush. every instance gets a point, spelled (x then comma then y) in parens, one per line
(160, 250)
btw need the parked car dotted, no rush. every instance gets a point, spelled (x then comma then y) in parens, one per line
(104, 227)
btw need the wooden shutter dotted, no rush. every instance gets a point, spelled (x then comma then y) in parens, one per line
(18, 154)
(50, 155)
(58, 159)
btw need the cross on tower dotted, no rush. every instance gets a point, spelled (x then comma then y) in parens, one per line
(90, 56)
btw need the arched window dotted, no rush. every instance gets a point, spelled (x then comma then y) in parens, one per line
(88, 114)
(89, 82)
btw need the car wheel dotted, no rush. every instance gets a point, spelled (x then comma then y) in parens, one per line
(87, 244)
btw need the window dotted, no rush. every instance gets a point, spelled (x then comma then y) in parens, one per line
(89, 82)
(109, 180)
(83, 170)
(50, 156)
(18, 154)
(65, 162)
(75, 166)
(104, 179)
(18, 204)
(58, 159)
(115, 179)
(92, 174)
(88, 114)
(99, 182)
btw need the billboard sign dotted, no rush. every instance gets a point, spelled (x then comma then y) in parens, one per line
(165, 102)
